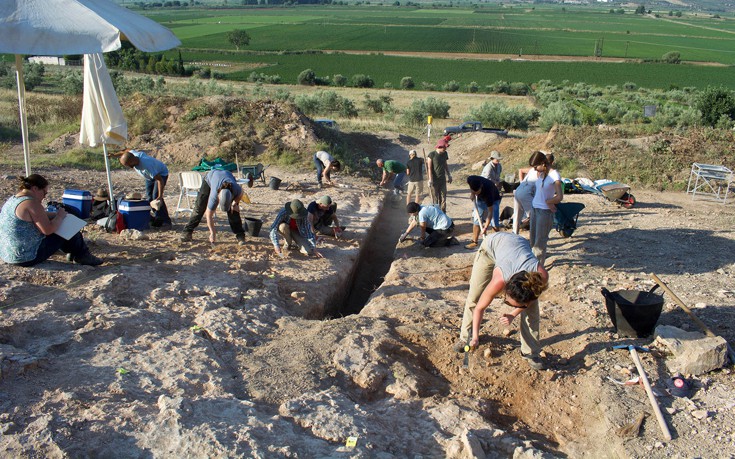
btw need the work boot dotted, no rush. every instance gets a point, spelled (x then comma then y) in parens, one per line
(166, 226)
(533, 361)
(471, 245)
(186, 236)
(87, 259)
(240, 238)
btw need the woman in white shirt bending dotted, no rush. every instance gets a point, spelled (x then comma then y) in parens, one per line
(547, 195)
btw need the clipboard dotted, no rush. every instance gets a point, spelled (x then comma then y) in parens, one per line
(70, 225)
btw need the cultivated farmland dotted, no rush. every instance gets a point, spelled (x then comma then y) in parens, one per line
(483, 35)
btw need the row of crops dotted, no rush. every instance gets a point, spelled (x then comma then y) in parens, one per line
(390, 69)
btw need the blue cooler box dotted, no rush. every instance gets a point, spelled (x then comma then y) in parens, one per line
(136, 214)
(79, 202)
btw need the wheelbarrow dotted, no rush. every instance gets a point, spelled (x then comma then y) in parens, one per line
(257, 171)
(612, 191)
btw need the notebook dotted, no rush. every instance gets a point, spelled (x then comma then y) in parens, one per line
(70, 226)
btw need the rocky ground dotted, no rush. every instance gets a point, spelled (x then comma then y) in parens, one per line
(193, 350)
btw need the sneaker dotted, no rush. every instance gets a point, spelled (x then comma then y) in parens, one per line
(320, 186)
(240, 239)
(303, 251)
(471, 245)
(185, 237)
(533, 361)
(88, 259)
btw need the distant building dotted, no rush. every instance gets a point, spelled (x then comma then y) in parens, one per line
(47, 60)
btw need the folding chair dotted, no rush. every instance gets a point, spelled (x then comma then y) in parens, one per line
(189, 182)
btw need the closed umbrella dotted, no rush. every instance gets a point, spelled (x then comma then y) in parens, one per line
(103, 121)
(58, 27)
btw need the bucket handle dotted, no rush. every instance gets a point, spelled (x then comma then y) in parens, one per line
(607, 294)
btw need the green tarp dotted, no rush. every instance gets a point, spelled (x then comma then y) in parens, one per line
(218, 164)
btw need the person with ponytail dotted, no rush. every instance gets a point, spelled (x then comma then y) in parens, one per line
(27, 230)
(505, 262)
(548, 194)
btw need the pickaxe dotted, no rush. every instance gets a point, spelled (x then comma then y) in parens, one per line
(642, 373)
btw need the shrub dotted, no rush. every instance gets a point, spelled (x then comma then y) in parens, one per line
(518, 89)
(672, 57)
(451, 86)
(714, 102)
(379, 105)
(418, 111)
(325, 102)
(339, 80)
(428, 86)
(362, 81)
(558, 113)
(407, 83)
(473, 87)
(499, 87)
(306, 78)
(496, 114)
(72, 83)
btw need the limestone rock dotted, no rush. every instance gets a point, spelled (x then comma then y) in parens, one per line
(694, 353)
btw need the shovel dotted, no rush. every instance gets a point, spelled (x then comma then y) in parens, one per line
(652, 398)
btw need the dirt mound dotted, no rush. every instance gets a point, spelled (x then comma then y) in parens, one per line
(182, 131)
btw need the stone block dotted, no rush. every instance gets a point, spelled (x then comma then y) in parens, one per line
(694, 353)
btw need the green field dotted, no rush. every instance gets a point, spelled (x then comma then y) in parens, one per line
(527, 32)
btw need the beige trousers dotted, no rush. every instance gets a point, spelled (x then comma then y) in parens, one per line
(482, 274)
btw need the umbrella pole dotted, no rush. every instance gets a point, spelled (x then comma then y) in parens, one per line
(113, 201)
(22, 108)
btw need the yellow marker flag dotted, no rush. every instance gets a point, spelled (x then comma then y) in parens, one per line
(351, 442)
(430, 118)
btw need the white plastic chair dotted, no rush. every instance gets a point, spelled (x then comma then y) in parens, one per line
(189, 182)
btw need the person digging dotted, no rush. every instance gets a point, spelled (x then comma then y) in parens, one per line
(219, 188)
(292, 223)
(505, 262)
(322, 216)
(436, 227)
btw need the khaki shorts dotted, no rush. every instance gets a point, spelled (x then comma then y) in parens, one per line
(415, 187)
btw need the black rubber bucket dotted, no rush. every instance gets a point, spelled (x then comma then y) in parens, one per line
(253, 226)
(274, 183)
(633, 313)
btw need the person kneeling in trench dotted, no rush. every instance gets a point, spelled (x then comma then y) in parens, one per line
(433, 222)
(322, 216)
(505, 262)
(292, 224)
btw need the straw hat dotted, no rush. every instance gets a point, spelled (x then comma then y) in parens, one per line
(101, 195)
(135, 196)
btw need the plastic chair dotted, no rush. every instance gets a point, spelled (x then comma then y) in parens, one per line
(189, 182)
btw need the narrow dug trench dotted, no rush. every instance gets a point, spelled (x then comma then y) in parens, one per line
(376, 255)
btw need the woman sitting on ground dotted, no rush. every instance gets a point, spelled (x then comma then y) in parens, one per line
(27, 230)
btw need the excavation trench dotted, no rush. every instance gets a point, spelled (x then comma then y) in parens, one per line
(375, 257)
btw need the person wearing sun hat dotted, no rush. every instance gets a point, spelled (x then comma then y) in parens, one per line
(439, 174)
(100, 205)
(292, 223)
(322, 216)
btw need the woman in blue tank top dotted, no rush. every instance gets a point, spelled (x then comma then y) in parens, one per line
(27, 231)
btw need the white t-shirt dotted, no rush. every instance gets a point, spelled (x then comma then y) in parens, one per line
(324, 157)
(545, 189)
